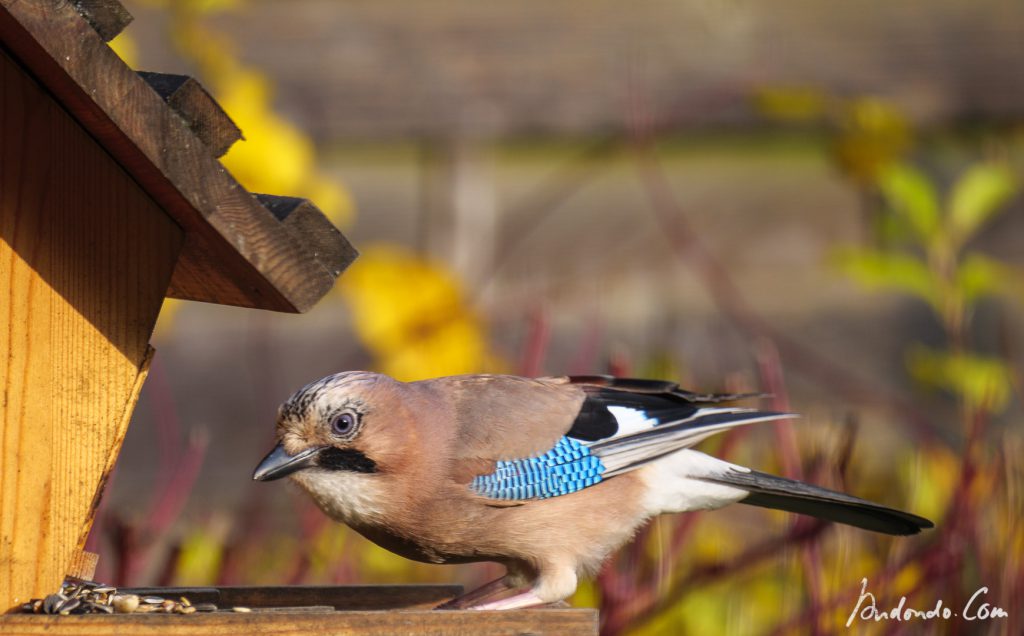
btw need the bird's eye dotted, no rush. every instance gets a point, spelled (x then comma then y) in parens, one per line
(343, 424)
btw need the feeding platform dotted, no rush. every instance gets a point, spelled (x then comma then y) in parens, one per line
(112, 198)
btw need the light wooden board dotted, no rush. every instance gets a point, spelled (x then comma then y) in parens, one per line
(85, 260)
(540, 622)
(346, 609)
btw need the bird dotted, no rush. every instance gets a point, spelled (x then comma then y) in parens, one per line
(546, 476)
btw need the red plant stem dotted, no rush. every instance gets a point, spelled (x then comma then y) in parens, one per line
(174, 493)
(774, 384)
(585, 360)
(536, 344)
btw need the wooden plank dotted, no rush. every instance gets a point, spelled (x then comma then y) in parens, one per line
(107, 17)
(203, 114)
(85, 260)
(307, 223)
(553, 622)
(235, 252)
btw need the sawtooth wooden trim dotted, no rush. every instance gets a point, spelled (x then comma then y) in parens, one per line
(306, 222)
(203, 114)
(235, 252)
(107, 17)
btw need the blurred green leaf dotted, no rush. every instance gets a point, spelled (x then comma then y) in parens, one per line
(199, 560)
(895, 270)
(982, 381)
(872, 135)
(979, 276)
(978, 195)
(909, 193)
(793, 104)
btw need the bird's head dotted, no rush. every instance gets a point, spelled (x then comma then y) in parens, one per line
(329, 426)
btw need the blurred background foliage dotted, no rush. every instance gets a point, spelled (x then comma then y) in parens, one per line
(858, 256)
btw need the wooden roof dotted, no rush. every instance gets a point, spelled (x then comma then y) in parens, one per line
(262, 251)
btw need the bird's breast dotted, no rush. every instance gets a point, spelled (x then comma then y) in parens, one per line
(352, 498)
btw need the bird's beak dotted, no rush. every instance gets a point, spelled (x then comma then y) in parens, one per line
(278, 463)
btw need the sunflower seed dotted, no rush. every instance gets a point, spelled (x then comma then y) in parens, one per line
(125, 603)
(205, 607)
(153, 600)
(67, 606)
(51, 602)
(241, 610)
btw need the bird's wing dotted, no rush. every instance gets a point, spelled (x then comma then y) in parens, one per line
(583, 430)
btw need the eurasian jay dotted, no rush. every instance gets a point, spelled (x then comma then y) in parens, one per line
(547, 476)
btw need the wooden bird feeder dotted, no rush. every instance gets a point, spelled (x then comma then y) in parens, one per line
(111, 199)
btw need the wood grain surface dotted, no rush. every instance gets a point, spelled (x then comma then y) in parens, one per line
(539, 622)
(201, 112)
(85, 260)
(307, 223)
(341, 609)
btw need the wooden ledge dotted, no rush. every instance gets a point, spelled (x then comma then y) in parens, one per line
(284, 611)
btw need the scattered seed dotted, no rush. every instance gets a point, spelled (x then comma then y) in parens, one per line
(106, 609)
(241, 610)
(152, 600)
(66, 606)
(205, 607)
(125, 603)
(185, 601)
(104, 589)
(51, 602)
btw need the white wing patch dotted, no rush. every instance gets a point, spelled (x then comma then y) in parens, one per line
(631, 420)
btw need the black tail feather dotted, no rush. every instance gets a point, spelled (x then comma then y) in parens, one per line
(769, 491)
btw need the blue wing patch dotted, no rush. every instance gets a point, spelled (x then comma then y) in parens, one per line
(566, 468)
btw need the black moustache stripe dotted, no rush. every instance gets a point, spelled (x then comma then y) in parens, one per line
(345, 459)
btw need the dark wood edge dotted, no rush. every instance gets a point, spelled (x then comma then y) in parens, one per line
(337, 597)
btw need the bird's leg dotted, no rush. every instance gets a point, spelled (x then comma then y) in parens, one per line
(485, 591)
(553, 583)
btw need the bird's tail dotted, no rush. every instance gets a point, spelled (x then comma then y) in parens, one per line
(769, 491)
